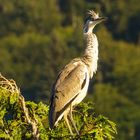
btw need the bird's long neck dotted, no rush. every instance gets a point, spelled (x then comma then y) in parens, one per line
(91, 53)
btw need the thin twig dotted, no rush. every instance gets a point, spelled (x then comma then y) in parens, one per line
(8, 84)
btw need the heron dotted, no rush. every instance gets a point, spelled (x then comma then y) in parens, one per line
(71, 84)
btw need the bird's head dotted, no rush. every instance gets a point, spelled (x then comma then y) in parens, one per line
(92, 20)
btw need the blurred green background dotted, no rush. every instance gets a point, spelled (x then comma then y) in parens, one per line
(39, 37)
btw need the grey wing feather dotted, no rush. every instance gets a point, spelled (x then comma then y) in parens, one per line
(66, 88)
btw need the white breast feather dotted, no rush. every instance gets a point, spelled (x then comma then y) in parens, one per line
(83, 92)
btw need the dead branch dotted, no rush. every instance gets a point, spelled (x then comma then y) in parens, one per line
(11, 86)
(33, 123)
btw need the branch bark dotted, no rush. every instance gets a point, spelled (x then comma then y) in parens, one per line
(11, 86)
(33, 123)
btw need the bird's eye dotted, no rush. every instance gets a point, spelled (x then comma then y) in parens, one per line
(92, 19)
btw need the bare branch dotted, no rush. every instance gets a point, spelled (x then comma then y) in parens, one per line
(33, 123)
(11, 86)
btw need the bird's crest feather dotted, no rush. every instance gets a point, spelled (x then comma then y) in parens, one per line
(93, 14)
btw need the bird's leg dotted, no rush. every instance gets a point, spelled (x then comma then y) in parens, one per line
(72, 121)
(67, 122)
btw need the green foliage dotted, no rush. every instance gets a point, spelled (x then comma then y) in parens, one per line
(26, 16)
(90, 126)
(15, 124)
(114, 104)
(37, 38)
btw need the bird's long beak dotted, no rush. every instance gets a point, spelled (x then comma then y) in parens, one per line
(100, 19)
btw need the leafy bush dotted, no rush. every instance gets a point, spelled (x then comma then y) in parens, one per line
(28, 120)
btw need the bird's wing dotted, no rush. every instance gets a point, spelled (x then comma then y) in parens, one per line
(68, 85)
